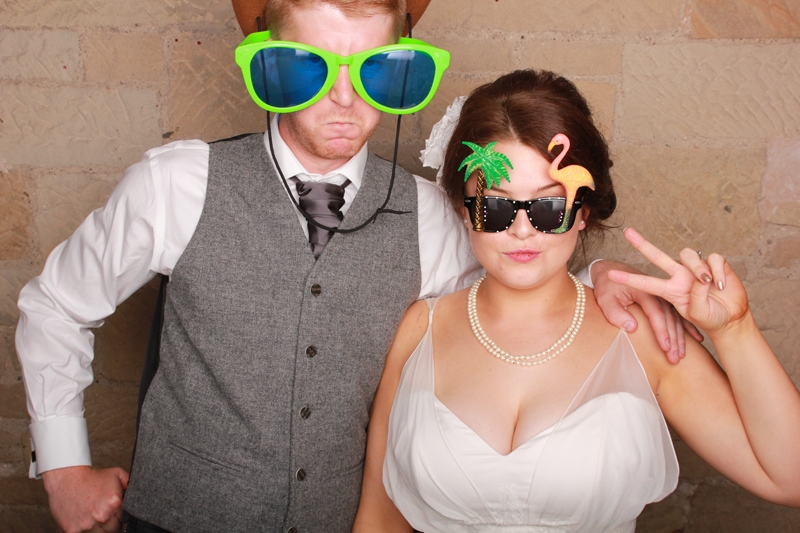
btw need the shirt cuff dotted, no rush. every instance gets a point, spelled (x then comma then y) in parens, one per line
(59, 443)
(585, 275)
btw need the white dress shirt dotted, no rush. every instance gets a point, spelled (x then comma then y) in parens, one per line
(142, 231)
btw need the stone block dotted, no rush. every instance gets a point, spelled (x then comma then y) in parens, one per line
(69, 126)
(785, 253)
(602, 99)
(616, 16)
(726, 508)
(704, 90)
(207, 96)
(40, 55)
(16, 228)
(14, 437)
(122, 57)
(781, 185)
(745, 19)
(8, 353)
(666, 516)
(10, 447)
(773, 300)
(65, 200)
(11, 282)
(77, 13)
(573, 58)
(494, 54)
(19, 490)
(387, 129)
(12, 401)
(24, 519)
(111, 417)
(121, 343)
(679, 197)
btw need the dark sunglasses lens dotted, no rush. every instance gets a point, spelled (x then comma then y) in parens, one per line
(401, 79)
(286, 77)
(499, 213)
(546, 215)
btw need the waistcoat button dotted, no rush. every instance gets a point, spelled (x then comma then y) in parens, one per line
(305, 412)
(316, 290)
(311, 351)
(300, 474)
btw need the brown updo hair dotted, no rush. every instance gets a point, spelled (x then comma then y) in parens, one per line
(531, 107)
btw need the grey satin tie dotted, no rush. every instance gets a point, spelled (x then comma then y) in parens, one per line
(323, 201)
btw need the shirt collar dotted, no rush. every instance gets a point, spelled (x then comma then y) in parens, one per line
(353, 169)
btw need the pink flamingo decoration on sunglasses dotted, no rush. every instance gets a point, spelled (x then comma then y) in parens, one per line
(572, 177)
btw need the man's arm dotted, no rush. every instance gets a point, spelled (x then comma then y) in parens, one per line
(85, 277)
(445, 254)
(82, 498)
(613, 299)
(116, 250)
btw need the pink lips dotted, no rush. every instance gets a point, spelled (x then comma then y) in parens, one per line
(522, 256)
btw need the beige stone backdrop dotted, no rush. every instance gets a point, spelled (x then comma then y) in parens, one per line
(700, 100)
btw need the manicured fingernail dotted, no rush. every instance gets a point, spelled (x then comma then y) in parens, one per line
(629, 325)
(706, 278)
(720, 285)
(667, 344)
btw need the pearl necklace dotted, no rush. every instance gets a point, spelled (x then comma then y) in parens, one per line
(534, 359)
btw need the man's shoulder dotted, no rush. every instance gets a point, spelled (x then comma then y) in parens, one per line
(236, 137)
(431, 194)
(177, 164)
(188, 148)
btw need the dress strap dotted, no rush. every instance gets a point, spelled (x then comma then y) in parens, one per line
(431, 306)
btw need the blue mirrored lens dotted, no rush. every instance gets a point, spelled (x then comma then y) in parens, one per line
(286, 77)
(399, 80)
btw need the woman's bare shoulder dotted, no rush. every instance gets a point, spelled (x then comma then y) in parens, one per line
(410, 332)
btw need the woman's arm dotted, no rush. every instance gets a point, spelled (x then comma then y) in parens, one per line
(744, 421)
(376, 512)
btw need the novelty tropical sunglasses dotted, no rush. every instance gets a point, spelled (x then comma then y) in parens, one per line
(283, 76)
(545, 214)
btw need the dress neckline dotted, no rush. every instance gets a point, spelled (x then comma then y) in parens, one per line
(564, 414)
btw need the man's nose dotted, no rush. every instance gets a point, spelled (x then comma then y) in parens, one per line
(343, 92)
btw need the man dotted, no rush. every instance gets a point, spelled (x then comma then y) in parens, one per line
(271, 350)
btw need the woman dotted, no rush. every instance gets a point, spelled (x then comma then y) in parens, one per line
(570, 437)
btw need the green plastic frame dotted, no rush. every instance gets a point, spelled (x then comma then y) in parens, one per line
(257, 41)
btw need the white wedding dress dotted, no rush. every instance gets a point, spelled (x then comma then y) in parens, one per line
(594, 470)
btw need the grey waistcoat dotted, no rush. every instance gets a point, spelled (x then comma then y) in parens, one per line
(256, 419)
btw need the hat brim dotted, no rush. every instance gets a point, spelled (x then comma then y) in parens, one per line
(247, 11)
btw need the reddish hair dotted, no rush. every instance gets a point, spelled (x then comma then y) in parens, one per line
(276, 12)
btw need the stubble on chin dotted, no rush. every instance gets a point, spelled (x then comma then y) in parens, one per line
(335, 148)
(313, 142)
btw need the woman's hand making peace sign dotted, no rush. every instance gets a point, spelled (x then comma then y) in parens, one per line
(706, 292)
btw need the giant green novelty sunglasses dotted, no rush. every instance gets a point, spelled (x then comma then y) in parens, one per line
(283, 76)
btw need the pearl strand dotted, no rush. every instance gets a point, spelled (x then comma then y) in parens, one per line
(534, 359)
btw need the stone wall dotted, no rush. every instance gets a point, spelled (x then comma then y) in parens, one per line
(700, 100)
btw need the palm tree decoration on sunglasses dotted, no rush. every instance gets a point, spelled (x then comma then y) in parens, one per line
(491, 168)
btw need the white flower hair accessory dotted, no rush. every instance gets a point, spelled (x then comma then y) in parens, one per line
(435, 145)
